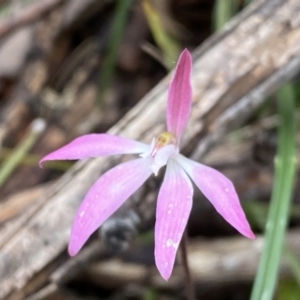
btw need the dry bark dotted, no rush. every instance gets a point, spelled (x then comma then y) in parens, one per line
(211, 261)
(34, 71)
(14, 205)
(234, 72)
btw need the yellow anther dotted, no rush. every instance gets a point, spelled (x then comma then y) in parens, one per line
(164, 139)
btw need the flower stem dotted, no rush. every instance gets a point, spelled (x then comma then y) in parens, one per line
(190, 292)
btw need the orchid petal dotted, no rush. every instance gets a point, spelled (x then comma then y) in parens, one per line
(107, 194)
(173, 209)
(180, 96)
(220, 191)
(94, 145)
(150, 149)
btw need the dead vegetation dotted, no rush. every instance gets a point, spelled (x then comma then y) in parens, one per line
(51, 58)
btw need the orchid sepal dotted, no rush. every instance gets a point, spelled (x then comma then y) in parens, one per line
(95, 145)
(174, 205)
(106, 195)
(219, 190)
(180, 96)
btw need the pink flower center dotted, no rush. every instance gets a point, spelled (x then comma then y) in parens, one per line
(161, 149)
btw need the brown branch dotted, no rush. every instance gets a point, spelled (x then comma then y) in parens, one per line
(211, 261)
(15, 204)
(232, 66)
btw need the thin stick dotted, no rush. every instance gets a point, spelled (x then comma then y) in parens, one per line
(190, 292)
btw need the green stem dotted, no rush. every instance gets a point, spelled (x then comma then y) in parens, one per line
(114, 42)
(20, 151)
(168, 45)
(285, 169)
(189, 284)
(224, 10)
(32, 160)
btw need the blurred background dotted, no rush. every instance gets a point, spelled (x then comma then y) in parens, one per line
(71, 67)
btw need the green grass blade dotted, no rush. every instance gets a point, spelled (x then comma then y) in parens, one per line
(256, 213)
(285, 168)
(20, 151)
(120, 18)
(163, 39)
(32, 160)
(150, 294)
(224, 10)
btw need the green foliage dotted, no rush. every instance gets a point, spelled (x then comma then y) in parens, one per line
(224, 10)
(21, 150)
(288, 290)
(164, 40)
(120, 18)
(285, 170)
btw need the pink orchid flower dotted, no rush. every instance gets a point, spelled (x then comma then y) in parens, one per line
(175, 196)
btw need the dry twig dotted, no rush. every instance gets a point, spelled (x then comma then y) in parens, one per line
(259, 44)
